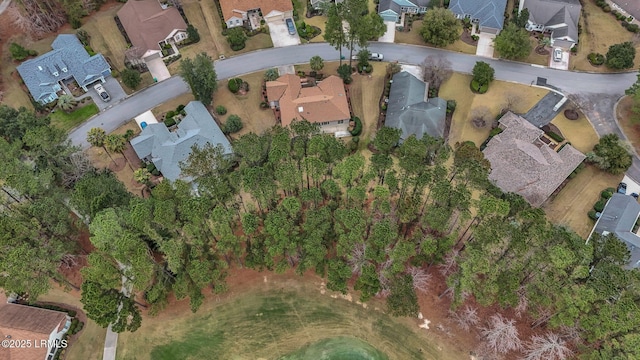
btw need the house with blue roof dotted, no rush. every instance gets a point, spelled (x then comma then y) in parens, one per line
(487, 14)
(167, 149)
(395, 10)
(68, 59)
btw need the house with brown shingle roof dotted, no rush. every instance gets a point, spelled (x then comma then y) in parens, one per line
(151, 28)
(241, 12)
(524, 161)
(37, 333)
(325, 104)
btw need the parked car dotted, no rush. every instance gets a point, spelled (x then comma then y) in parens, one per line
(622, 188)
(635, 195)
(102, 92)
(376, 57)
(557, 54)
(290, 26)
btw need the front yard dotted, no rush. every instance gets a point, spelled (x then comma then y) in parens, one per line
(413, 37)
(69, 120)
(629, 123)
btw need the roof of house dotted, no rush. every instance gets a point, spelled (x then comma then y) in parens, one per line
(325, 102)
(231, 8)
(619, 217)
(556, 12)
(489, 12)
(147, 23)
(68, 53)
(167, 149)
(522, 163)
(410, 111)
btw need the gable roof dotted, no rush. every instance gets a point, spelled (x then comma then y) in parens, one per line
(322, 103)
(147, 23)
(521, 163)
(39, 74)
(410, 111)
(556, 12)
(231, 8)
(396, 5)
(167, 149)
(619, 217)
(489, 12)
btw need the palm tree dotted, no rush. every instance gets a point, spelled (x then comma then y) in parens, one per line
(66, 102)
(97, 137)
(271, 75)
(316, 63)
(117, 143)
(143, 176)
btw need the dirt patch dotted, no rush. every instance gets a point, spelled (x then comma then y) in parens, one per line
(467, 39)
(541, 50)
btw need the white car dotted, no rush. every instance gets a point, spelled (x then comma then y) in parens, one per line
(372, 57)
(557, 55)
(104, 95)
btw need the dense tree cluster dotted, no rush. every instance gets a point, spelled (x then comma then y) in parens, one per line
(293, 198)
(513, 42)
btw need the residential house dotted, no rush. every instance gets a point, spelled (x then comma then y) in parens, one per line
(410, 110)
(44, 75)
(395, 10)
(525, 161)
(251, 12)
(43, 328)
(152, 28)
(559, 17)
(325, 104)
(487, 14)
(166, 149)
(619, 217)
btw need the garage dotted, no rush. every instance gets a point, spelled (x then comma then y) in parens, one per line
(145, 119)
(280, 34)
(157, 68)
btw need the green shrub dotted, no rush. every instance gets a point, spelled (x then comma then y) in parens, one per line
(18, 52)
(233, 124)
(89, 50)
(632, 27)
(221, 110)
(451, 106)
(356, 139)
(170, 114)
(384, 107)
(606, 194)
(180, 108)
(131, 78)
(592, 215)
(606, 8)
(357, 128)
(596, 58)
(610, 189)
(169, 122)
(555, 136)
(495, 131)
(477, 88)
(599, 206)
(234, 85)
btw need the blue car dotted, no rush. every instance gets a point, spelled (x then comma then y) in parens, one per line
(290, 26)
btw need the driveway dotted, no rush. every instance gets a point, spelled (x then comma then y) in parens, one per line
(280, 34)
(158, 69)
(390, 35)
(113, 88)
(485, 45)
(560, 65)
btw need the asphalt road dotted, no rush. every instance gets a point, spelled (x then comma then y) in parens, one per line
(595, 93)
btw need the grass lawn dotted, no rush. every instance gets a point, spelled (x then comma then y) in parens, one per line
(275, 318)
(105, 36)
(365, 94)
(68, 121)
(319, 22)
(571, 205)
(629, 122)
(337, 348)
(579, 132)
(145, 80)
(535, 58)
(457, 88)
(413, 37)
(254, 119)
(172, 104)
(599, 31)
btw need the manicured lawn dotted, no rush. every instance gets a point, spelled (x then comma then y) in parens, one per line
(337, 348)
(413, 37)
(629, 122)
(579, 132)
(365, 94)
(535, 58)
(272, 319)
(599, 31)
(68, 121)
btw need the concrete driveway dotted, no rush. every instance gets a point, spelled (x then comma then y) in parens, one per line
(485, 45)
(113, 88)
(560, 65)
(390, 35)
(158, 69)
(280, 34)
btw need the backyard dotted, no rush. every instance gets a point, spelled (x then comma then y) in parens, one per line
(268, 316)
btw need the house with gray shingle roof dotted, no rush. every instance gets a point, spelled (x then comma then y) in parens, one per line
(67, 60)
(410, 110)
(488, 14)
(394, 10)
(619, 217)
(560, 17)
(525, 162)
(166, 149)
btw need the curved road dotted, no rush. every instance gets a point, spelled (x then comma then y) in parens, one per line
(595, 93)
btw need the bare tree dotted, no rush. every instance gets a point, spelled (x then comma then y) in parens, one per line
(358, 259)
(420, 278)
(450, 265)
(80, 165)
(501, 335)
(480, 116)
(383, 274)
(465, 318)
(38, 17)
(512, 102)
(436, 69)
(523, 302)
(547, 347)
